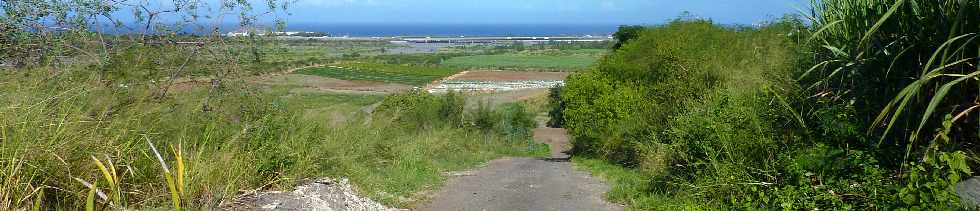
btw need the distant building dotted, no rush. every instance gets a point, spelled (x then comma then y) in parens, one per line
(245, 33)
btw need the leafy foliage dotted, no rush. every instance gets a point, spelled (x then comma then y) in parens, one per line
(901, 65)
(625, 34)
(423, 111)
(732, 129)
(709, 117)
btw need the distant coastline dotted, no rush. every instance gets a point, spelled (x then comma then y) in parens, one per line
(412, 29)
(450, 30)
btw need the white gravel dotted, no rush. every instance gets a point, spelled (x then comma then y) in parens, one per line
(492, 86)
(320, 195)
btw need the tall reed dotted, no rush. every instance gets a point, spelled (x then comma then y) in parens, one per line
(908, 61)
(910, 69)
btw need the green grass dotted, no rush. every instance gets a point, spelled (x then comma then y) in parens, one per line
(389, 73)
(549, 60)
(299, 50)
(246, 139)
(630, 187)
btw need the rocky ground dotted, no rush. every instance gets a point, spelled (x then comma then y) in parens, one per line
(319, 195)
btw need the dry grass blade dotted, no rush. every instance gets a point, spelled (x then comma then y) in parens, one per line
(109, 174)
(90, 199)
(171, 182)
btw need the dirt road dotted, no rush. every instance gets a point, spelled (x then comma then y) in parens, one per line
(526, 184)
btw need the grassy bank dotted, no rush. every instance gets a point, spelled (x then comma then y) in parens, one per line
(58, 130)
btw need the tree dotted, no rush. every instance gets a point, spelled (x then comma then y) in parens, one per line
(626, 33)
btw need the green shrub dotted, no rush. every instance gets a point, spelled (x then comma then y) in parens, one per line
(708, 117)
(421, 110)
(484, 118)
(625, 34)
(557, 106)
(515, 121)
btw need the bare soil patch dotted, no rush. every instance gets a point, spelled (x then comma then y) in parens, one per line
(557, 138)
(330, 84)
(185, 86)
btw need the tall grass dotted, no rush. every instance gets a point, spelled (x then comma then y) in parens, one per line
(152, 152)
(910, 71)
(903, 60)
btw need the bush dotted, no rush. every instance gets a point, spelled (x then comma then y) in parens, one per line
(556, 119)
(514, 121)
(708, 114)
(421, 110)
(484, 118)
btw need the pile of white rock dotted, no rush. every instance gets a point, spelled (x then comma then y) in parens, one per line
(323, 194)
(492, 86)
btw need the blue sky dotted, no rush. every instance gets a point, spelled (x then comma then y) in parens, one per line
(536, 11)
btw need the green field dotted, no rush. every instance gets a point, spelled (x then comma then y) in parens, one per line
(300, 50)
(549, 60)
(388, 73)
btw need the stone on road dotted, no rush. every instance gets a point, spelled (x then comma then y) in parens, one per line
(526, 184)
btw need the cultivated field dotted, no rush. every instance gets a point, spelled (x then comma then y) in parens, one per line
(400, 74)
(535, 60)
(325, 84)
